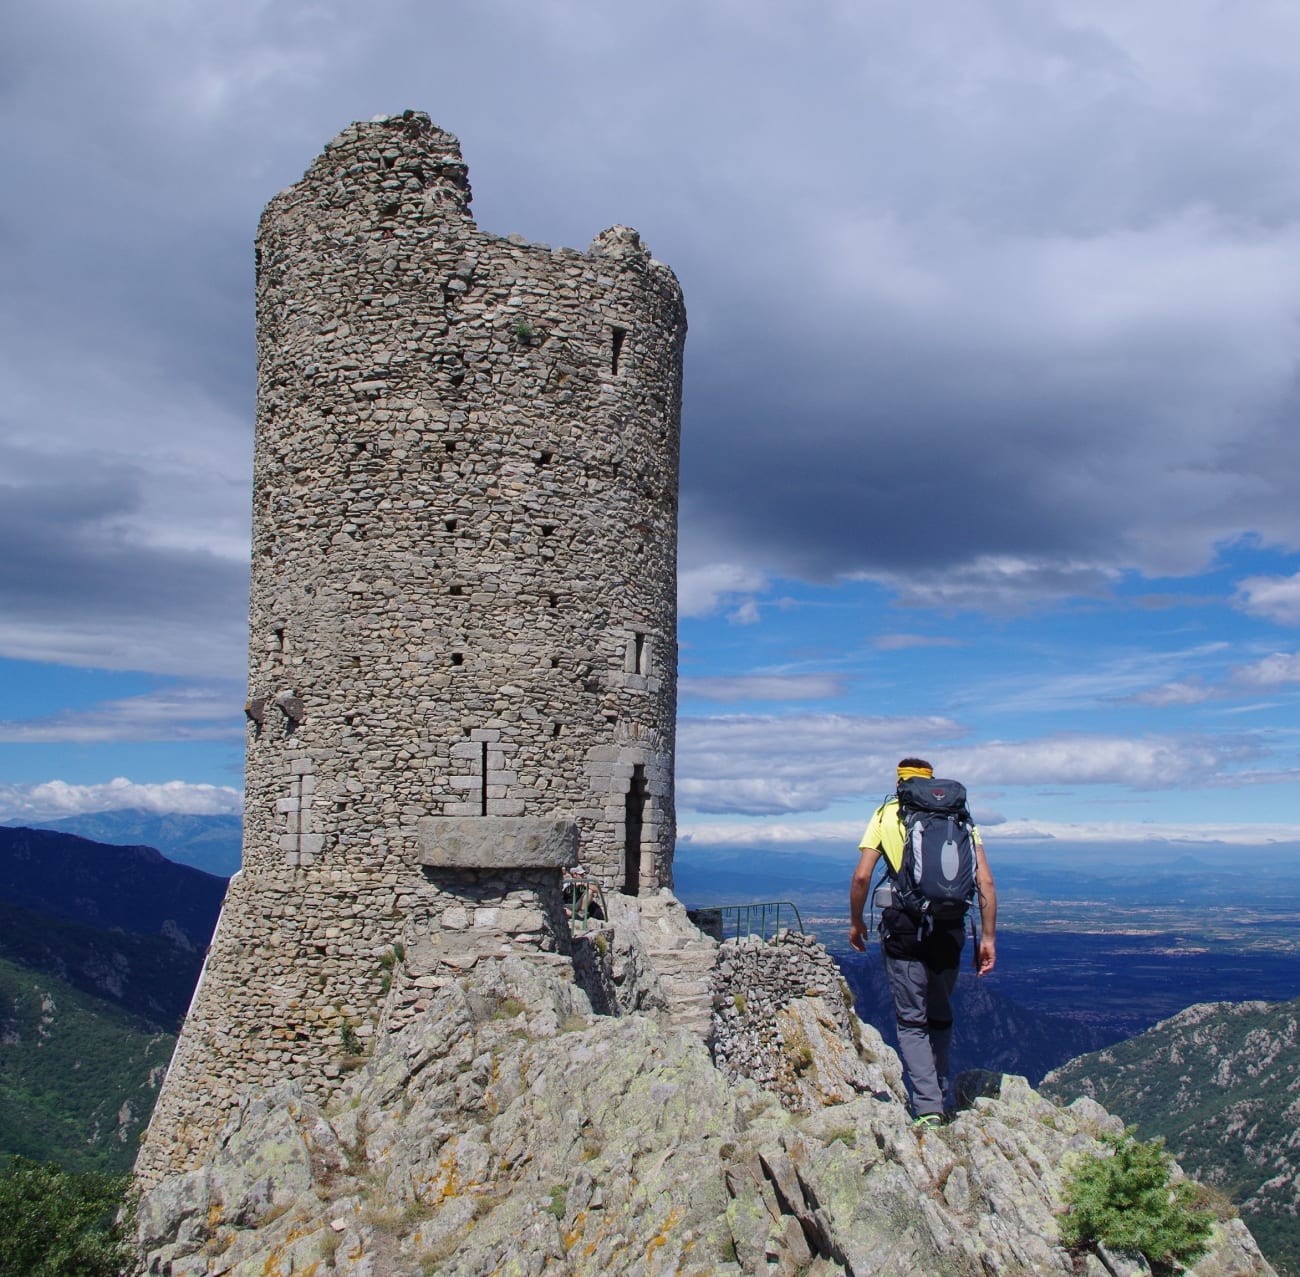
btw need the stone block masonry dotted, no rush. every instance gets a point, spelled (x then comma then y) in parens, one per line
(463, 608)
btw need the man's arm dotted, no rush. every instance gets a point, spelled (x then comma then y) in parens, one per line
(986, 955)
(858, 889)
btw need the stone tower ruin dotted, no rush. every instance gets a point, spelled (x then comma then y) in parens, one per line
(462, 660)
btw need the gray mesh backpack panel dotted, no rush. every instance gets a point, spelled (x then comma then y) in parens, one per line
(936, 880)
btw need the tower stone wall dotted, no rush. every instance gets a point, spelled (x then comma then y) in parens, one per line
(462, 662)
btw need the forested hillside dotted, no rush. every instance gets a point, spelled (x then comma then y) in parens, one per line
(78, 1075)
(100, 949)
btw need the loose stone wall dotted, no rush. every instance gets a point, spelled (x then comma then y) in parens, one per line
(463, 608)
(783, 1016)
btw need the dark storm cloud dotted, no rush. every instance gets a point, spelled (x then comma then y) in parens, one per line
(991, 302)
(1072, 431)
(64, 559)
(75, 587)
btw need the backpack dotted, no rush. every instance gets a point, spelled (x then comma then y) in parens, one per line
(936, 880)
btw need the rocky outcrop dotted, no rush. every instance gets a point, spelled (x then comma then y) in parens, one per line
(507, 1130)
(1220, 1082)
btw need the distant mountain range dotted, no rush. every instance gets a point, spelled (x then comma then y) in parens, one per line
(100, 950)
(210, 843)
(132, 889)
(1220, 1082)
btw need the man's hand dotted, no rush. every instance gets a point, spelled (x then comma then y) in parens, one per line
(986, 956)
(859, 886)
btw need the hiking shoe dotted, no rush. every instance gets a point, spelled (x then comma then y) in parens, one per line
(926, 1120)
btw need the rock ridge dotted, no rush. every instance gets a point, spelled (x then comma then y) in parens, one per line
(506, 1129)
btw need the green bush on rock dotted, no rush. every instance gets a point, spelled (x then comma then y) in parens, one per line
(1124, 1200)
(56, 1223)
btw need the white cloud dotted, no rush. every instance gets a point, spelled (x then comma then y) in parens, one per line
(768, 764)
(997, 583)
(844, 835)
(52, 799)
(1102, 832)
(709, 588)
(159, 642)
(1273, 598)
(1273, 671)
(764, 687)
(771, 765)
(1138, 762)
(773, 833)
(1094, 680)
(1186, 693)
(178, 714)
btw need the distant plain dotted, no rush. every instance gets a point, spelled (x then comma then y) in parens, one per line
(1116, 938)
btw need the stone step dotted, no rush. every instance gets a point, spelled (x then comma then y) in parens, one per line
(681, 962)
(677, 944)
(672, 971)
(682, 959)
(680, 1010)
(696, 981)
(694, 1002)
(697, 1026)
(685, 983)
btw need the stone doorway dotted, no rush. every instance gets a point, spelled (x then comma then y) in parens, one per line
(633, 823)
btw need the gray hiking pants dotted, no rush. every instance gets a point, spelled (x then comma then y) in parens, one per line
(923, 1005)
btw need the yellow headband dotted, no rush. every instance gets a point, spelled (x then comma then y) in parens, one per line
(911, 773)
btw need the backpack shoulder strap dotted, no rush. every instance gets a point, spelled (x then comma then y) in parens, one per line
(893, 834)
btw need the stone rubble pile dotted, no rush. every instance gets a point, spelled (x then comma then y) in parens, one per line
(783, 1017)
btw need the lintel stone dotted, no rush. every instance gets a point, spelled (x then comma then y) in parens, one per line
(498, 842)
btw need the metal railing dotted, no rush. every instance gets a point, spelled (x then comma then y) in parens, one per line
(584, 903)
(734, 922)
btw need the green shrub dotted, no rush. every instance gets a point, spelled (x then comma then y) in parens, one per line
(56, 1223)
(1124, 1200)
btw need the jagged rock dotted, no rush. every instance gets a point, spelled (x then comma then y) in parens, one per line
(507, 1130)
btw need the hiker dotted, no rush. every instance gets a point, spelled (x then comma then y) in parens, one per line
(922, 945)
(582, 898)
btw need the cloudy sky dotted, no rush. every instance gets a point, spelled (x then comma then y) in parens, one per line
(991, 439)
